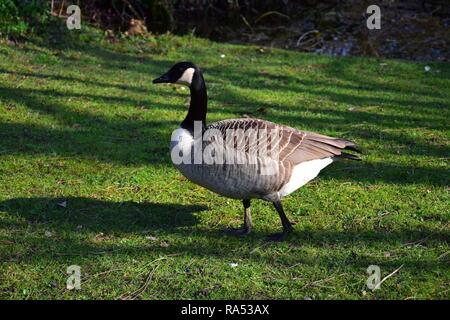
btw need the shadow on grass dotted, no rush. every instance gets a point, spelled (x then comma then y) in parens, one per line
(115, 220)
(130, 140)
(102, 216)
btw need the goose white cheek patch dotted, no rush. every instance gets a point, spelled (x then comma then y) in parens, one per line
(186, 77)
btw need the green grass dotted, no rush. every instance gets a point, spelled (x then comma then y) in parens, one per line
(81, 122)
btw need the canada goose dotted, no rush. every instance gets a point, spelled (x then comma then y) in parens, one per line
(295, 158)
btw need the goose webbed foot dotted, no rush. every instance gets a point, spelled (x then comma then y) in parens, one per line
(239, 232)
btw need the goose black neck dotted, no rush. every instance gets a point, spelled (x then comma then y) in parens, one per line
(199, 103)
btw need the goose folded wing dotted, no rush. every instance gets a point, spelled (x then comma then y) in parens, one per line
(300, 146)
(281, 142)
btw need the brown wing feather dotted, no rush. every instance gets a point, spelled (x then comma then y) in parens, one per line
(294, 146)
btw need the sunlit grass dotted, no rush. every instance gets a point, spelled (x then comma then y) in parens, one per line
(81, 122)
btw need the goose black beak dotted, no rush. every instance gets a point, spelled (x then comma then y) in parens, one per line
(163, 79)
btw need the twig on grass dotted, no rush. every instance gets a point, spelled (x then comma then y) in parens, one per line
(318, 282)
(27, 76)
(415, 243)
(135, 294)
(100, 274)
(294, 265)
(84, 253)
(265, 244)
(387, 277)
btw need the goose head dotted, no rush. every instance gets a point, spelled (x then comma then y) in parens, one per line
(188, 74)
(185, 73)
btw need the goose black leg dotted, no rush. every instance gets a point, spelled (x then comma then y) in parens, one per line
(247, 222)
(287, 226)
